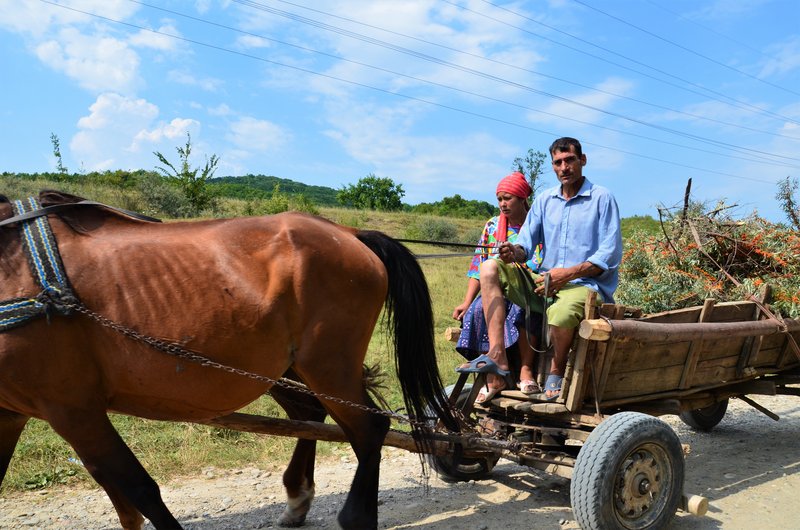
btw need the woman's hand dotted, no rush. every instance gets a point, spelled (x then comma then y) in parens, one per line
(458, 312)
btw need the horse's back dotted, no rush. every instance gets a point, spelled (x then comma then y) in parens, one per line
(255, 293)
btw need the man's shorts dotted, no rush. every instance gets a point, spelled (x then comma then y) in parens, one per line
(565, 311)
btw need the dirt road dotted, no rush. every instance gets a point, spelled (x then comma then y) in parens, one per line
(748, 468)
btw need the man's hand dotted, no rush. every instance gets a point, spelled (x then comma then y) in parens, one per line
(510, 253)
(559, 277)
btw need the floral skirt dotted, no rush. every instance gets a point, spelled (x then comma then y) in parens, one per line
(474, 338)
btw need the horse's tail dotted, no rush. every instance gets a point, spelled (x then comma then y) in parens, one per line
(410, 318)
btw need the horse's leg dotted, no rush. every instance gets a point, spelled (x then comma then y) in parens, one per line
(298, 479)
(365, 431)
(112, 464)
(11, 425)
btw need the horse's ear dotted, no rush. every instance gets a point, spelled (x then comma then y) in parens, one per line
(51, 197)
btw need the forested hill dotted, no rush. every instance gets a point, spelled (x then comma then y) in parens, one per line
(262, 186)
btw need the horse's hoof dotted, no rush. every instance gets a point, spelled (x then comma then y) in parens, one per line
(288, 520)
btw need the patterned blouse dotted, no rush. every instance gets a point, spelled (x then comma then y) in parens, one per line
(488, 238)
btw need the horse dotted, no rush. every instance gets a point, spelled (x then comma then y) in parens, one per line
(284, 295)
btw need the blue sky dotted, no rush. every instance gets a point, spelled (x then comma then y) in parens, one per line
(438, 95)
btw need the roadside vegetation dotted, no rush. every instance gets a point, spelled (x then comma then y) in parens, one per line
(689, 253)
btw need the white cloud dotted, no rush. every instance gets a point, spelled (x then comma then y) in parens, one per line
(785, 58)
(208, 84)
(118, 129)
(177, 128)
(97, 63)
(156, 41)
(37, 18)
(251, 136)
(250, 41)
(587, 107)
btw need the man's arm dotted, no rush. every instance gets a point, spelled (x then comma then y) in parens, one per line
(559, 277)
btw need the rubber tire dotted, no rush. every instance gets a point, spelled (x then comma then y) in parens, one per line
(706, 418)
(615, 446)
(456, 468)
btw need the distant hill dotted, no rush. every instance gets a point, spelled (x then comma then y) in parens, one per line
(262, 186)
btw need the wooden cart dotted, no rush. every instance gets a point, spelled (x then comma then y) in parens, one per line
(626, 466)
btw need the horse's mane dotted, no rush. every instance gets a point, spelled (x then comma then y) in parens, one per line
(83, 217)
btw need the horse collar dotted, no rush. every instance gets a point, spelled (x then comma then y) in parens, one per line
(45, 262)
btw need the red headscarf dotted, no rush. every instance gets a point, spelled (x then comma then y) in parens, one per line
(516, 184)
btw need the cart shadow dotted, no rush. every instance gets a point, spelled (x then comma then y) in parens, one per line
(734, 457)
(492, 504)
(722, 463)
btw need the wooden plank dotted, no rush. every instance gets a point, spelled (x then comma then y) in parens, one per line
(750, 346)
(721, 347)
(619, 313)
(694, 349)
(786, 353)
(637, 330)
(634, 383)
(631, 356)
(311, 430)
(576, 390)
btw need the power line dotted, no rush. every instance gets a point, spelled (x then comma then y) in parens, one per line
(396, 94)
(684, 48)
(761, 157)
(478, 73)
(730, 100)
(516, 67)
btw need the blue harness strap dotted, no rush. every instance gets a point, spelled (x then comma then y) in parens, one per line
(48, 270)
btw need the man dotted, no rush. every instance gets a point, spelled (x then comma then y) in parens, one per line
(577, 224)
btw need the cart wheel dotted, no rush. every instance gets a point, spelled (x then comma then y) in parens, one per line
(706, 418)
(455, 467)
(628, 474)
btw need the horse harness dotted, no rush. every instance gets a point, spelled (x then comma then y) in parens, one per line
(45, 262)
(41, 249)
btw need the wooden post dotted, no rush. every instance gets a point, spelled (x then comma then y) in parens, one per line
(696, 346)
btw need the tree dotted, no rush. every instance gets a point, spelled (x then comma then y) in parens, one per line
(787, 188)
(373, 193)
(532, 166)
(62, 170)
(194, 186)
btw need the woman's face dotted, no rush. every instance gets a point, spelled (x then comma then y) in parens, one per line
(512, 206)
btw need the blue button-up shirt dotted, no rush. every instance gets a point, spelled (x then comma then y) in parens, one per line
(583, 228)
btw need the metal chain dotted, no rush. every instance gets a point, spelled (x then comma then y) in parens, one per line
(175, 350)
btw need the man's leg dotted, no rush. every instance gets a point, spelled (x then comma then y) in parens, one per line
(564, 316)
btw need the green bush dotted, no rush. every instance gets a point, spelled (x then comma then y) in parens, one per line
(431, 229)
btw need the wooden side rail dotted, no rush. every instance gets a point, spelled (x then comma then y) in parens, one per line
(634, 330)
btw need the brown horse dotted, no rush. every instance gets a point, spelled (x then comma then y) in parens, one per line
(285, 294)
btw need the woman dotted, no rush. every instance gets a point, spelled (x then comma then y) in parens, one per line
(512, 198)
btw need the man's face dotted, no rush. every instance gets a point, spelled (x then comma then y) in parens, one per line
(568, 166)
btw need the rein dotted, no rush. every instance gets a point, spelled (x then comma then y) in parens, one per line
(491, 248)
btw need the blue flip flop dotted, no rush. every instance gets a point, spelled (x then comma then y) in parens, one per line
(553, 384)
(482, 364)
